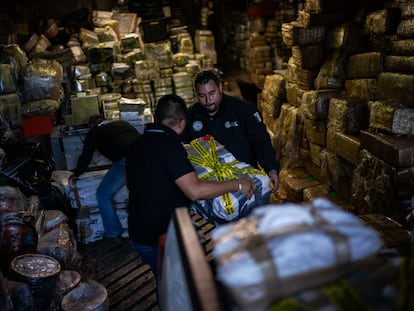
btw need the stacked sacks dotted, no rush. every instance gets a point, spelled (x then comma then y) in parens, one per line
(279, 250)
(213, 162)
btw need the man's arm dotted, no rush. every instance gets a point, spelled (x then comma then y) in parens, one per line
(199, 189)
(262, 145)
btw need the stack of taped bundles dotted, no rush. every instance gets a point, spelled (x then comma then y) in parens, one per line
(213, 162)
(286, 142)
(279, 250)
(362, 72)
(273, 96)
(381, 27)
(377, 186)
(403, 46)
(82, 196)
(302, 77)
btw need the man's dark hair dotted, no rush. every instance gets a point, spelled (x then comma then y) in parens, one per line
(171, 109)
(95, 120)
(202, 77)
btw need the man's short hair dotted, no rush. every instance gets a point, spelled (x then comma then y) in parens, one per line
(202, 77)
(95, 120)
(170, 110)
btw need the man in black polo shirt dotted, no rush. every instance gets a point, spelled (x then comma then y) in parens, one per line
(160, 178)
(234, 123)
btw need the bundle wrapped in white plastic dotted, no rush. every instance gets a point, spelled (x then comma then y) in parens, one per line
(212, 161)
(280, 249)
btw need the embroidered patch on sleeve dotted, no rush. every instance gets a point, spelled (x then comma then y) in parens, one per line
(257, 117)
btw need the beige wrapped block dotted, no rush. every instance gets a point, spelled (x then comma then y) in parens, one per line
(315, 151)
(288, 134)
(348, 115)
(294, 33)
(274, 84)
(405, 29)
(362, 88)
(402, 47)
(365, 65)
(396, 87)
(382, 21)
(399, 63)
(297, 181)
(315, 131)
(309, 56)
(315, 103)
(315, 192)
(348, 147)
(294, 94)
(392, 118)
(375, 187)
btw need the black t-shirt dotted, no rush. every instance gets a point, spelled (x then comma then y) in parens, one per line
(239, 127)
(155, 160)
(110, 138)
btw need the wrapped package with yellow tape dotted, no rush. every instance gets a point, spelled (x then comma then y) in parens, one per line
(212, 161)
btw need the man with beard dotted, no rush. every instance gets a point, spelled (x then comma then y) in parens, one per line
(235, 123)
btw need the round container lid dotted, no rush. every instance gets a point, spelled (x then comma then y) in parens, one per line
(35, 265)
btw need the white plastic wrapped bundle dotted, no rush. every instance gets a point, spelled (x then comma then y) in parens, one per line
(213, 162)
(280, 249)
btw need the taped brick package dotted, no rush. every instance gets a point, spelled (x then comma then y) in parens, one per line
(282, 249)
(213, 162)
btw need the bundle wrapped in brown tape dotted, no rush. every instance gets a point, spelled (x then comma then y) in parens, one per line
(405, 29)
(332, 73)
(316, 19)
(399, 63)
(365, 65)
(315, 131)
(286, 142)
(382, 21)
(402, 47)
(348, 115)
(315, 103)
(393, 118)
(375, 187)
(308, 56)
(348, 147)
(294, 33)
(407, 10)
(362, 88)
(395, 150)
(294, 94)
(42, 79)
(281, 249)
(396, 87)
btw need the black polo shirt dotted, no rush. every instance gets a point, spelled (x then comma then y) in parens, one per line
(155, 160)
(239, 127)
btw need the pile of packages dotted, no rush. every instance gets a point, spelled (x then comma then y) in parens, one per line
(39, 256)
(297, 256)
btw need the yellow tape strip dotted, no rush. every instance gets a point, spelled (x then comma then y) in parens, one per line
(221, 171)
